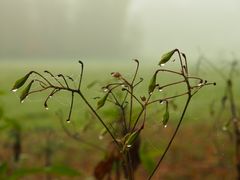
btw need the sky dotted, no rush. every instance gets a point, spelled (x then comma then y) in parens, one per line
(113, 29)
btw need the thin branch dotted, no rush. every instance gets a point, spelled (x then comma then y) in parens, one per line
(71, 107)
(81, 74)
(129, 92)
(171, 97)
(141, 80)
(174, 83)
(171, 140)
(135, 74)
(170, 71)
(54, 77)
(64, 79)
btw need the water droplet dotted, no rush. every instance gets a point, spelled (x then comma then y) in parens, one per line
(161, 101)
(224, 128)
(199, 84)
(100, 137)
(68, 121)
(150, 93)
(162, 65)
(46, 108)
(50, 96)
(105, 90)
(165, 126)
(14, 90)
(160, 89)
(22, 101)
(129, 145)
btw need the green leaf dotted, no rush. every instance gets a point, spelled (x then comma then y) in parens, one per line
(152, 83)
(26, 91)
(62, 170)
(166, 115)
(166, 57)
(132, 137)
(102, 101)
(20, 82)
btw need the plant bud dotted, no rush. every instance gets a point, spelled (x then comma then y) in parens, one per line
(116, 74)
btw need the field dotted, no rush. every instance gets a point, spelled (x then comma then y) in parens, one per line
(199, 151)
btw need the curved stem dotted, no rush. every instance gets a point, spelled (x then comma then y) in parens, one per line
(172, 138)
(131, 107)
(81, 75)
(135, 74)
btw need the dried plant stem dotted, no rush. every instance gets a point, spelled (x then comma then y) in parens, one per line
(235, 121)
(99, 118)
(172, 138)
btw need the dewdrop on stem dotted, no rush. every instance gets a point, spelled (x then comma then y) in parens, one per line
(162, 64)
(100, 137)
(68, 121)
(161, 101)
(165, 126)
(129, 145)
(14, 90)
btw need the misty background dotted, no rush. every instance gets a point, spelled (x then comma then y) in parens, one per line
(117, 29)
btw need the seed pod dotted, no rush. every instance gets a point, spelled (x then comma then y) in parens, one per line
(26, 91)
(132, 137)
(116, 74)
(20, 82)
(166, 57)
(152, 83)
(166, 115)
(102, 101)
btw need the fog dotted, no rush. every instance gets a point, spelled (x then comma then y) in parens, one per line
(117, 29)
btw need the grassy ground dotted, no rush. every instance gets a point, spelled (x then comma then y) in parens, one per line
(194, 154)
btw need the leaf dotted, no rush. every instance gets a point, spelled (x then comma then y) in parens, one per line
(102, 101)
(26, 91)
(152, 83)
(166, 115)
(20, 82)
(166, 57)
(62, 170)
(132, 137)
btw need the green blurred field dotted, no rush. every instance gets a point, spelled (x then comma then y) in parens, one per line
(193, 154)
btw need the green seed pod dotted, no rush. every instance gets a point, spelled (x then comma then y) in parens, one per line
(25, 92)
(166, 57)
(166, 116)
(102, 101)
(152, 83)
(20, 82)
